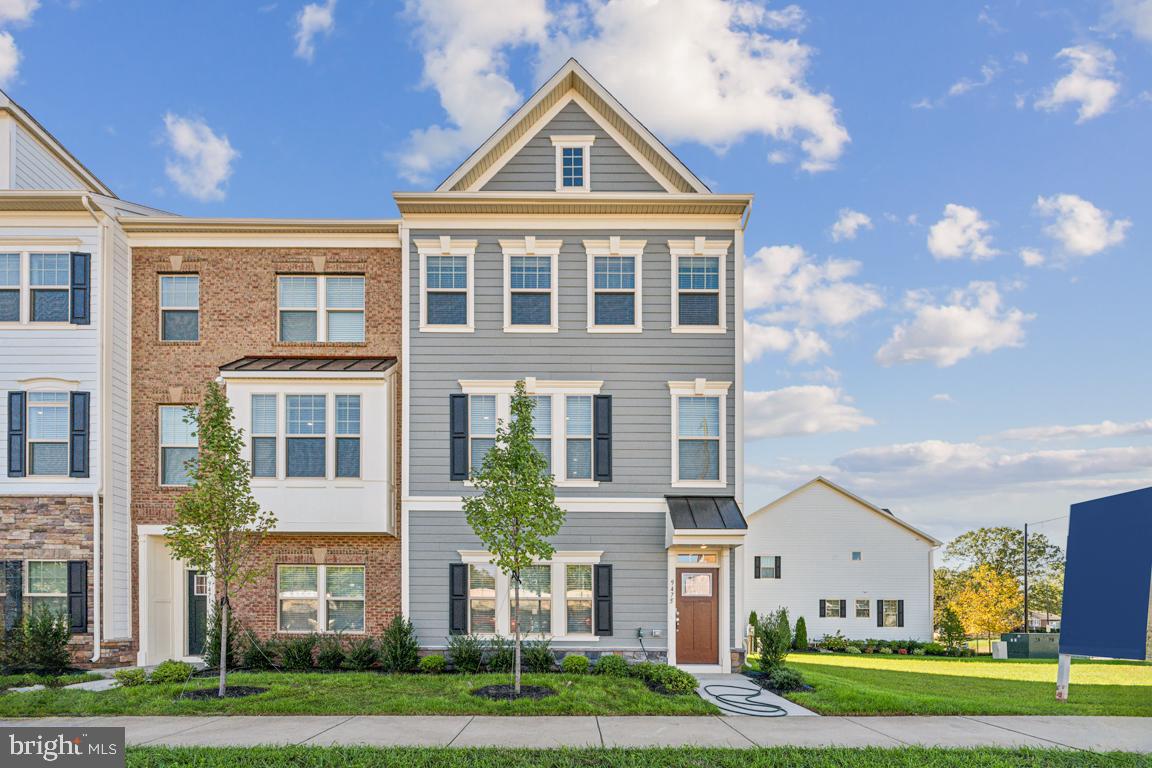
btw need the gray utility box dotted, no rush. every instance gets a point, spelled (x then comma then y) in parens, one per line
(1032, 645)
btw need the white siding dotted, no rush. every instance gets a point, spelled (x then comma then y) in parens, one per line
(815, 532)
(117, 560)
(34, 167)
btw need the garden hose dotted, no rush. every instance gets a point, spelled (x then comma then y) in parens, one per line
(738, 700)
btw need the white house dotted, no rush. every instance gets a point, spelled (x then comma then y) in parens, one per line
(842, 563)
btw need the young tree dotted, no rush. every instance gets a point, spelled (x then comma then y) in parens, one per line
(774, 638)
(951, 628)
(990, 603)
(219, 526)
(515, 512)
(1002, 548)
(946, 584)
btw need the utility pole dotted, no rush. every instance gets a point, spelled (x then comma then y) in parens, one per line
(1025, 577)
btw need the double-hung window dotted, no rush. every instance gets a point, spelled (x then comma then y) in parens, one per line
(263, 435)
(535, 614)
(320, 598)
(178, 444)
(48, 414)
(347, 435)
(698, 284)
(321, 308)
(49, 277)
(863, 609)
(47, 586)
(614, 280)
(38, 287)
(10, 287)
(542, 428)
(482, 598)
(306, 420)
(446, 284)
(530, 276)
(557, 598)
(482, 429)
(891, 614)
(767, 566)
(832, 609)
(314, 427)
(578, 437)
(699, 432)
(578, 598)
(573, 163)
(179, 307)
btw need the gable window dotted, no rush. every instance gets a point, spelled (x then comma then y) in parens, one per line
(321, 308)
(863, 609)
(530, 294)
(698, 433)
(446, 271)
(856, 555)
(307, 429)
(178, 445)
(179, 307)
(303, 607)
(48, 433)
(614, 277)
(573, 162)
(557, 597)
(698, 280)
(47, 586)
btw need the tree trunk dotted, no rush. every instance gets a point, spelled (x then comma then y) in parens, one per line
(516, 635)
(223, 646)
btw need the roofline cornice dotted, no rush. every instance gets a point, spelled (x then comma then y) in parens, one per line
(185, 225)
(595, 203)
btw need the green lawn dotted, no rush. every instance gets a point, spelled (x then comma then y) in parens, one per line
(685, 757)
(365, 694)
(921, 685)
(22, 681)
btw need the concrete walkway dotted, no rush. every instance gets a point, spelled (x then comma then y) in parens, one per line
(737, 695)
(1127, 734)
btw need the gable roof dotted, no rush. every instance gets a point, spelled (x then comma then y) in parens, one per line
(53, 146)
(572, 81)
(884, 513)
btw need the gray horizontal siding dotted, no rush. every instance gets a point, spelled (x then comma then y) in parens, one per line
(633, 544)
(635, 368)
(35, 168)
(533, 168)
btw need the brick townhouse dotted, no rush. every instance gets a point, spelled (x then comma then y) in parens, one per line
(301, 322)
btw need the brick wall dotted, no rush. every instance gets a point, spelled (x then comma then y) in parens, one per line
(238, 319)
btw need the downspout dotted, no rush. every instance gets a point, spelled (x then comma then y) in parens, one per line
(97, 529)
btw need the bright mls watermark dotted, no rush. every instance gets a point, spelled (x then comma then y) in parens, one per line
(88, 747)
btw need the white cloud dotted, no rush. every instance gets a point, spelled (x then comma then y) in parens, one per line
(314, 20)
(1065, 432)
(961, 233)
(1031, 257)
(802, 410)
(988, 73)
(783, 285)
(849, 224)
(712, 72)
(942, 397)
(802, 345)
(201, 161)
(1080, 227)
(1136, 15)
(18, 11)
(1090, 82)
(13, 12)
(973, 321)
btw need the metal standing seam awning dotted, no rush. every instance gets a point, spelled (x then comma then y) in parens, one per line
(328, 367)
(704, 521)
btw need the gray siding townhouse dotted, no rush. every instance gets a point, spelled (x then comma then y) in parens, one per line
(575, 251)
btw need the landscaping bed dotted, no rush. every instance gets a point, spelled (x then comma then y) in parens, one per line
(27, 679)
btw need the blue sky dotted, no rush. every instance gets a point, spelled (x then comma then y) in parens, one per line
(969, 346)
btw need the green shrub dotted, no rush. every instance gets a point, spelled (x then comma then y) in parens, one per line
(611, 665)
(671, 679)
(433, 665)
(45, 642)
(835, 643)
(296, 653)
(934, 649)
(171, 671)
(362, 654)
(885, 650)
(800, 640)
(951, 628)
(918, 652)
(466, 652)
(399, 651)
(852, 649)
(330, 653)
(501, 655)
(785, 679)
(774, 637)
(212, 640)
(537, 656)
(574, 664)
(260, 655)
(12, 648)
(130, 678)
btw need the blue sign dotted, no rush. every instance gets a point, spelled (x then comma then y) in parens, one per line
(1108, 577)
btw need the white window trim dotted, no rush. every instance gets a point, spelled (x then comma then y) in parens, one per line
(772, 559)
(530, 246)
(883, 605)
(447, 246)
(322, 600)
(160, 304)
(163, 445)
(558, 561)
(66, 406)
(330, 435)
(559, 144)
(29, 594)
(503, 390)
(867, 608)
(25, 288)
(827, 601)
(321, 308)
(700, 246)
(614, 246)
(698, 388)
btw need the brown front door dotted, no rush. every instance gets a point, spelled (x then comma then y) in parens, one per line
(697, 616)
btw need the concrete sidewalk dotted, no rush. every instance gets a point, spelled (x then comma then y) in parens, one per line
(1128, 734)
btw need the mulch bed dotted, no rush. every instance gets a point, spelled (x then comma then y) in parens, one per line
(507, 692)
(231, 692)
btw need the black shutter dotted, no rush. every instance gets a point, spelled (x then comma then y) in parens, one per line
(899, 613)
(458, 436)
(457, 598)
(777, 566)
(879, 613)
(843, 609)
(78, 596)
(78, 435)
(602, 431)
(602, 590)
(17, 427)
(81, 289)
(756, 568)
(13, 593)
(823, 609)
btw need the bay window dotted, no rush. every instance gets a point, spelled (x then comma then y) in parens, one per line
(306, 429)
(310, 434)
